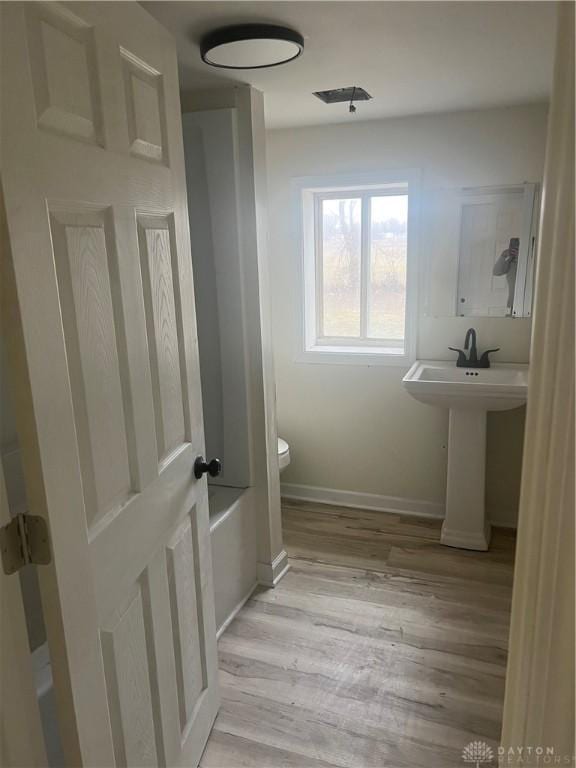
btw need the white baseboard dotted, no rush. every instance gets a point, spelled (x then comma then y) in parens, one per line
(226, 623)
(269, 574)
(503, 518)
(358, 500)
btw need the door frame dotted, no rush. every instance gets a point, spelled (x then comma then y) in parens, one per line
(21, 736)
(539, 701)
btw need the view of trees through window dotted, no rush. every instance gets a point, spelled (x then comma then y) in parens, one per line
(342, 267)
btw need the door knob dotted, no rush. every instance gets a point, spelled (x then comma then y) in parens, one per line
(214, 467)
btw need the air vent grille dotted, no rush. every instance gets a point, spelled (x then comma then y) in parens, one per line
(338, 95)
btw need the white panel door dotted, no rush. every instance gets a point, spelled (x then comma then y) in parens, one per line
(93, 176)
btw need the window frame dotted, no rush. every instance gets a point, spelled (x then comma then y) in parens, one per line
(314, 346)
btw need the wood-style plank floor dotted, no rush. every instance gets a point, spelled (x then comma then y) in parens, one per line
(379, 648)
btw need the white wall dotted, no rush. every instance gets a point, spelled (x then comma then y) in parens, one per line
(354, 428)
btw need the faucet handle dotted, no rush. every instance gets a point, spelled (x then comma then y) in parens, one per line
(484, 361)
(461, 362)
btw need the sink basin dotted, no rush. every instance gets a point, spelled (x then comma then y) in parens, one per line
(468, 393)
(499, 388)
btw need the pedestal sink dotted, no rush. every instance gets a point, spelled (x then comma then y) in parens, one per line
(468, 393)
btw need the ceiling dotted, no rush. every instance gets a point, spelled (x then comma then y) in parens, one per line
(412, 57)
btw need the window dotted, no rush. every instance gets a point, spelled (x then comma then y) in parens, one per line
(358, 272)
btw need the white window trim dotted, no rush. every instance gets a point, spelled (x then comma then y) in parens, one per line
(353, 351)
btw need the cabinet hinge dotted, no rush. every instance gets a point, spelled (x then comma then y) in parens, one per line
(24, 540)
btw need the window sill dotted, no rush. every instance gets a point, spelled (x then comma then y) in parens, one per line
(355, 356)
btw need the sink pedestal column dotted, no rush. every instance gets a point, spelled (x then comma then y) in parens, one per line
(465, 524)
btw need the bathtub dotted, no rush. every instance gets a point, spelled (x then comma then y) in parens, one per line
(233, 544)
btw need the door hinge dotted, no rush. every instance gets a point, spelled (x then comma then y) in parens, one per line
(24, 540)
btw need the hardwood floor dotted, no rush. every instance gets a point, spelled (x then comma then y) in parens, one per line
(378, 648)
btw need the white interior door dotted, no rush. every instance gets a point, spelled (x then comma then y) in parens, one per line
(93, 176)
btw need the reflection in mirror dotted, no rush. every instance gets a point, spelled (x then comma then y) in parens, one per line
(482, 251)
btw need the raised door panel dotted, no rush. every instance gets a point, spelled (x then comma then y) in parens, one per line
(128, 664)
(187, 622)
(86, 266)
(145, 109)
(156, 659)
(62, 57)
(163, 322)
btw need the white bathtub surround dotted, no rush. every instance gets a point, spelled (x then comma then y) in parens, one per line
(233, 544)
(226, 174)
(221, 628)
(236, 569)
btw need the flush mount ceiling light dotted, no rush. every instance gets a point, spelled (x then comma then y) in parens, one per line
(251, 46)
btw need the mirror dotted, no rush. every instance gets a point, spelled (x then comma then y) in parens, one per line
(482, 250)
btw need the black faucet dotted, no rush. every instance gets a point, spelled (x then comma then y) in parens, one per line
(473, 356)
(472, 361)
